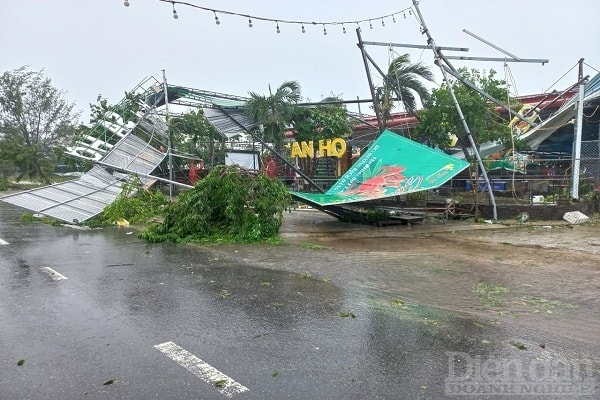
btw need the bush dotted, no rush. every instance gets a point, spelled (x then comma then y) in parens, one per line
(135, 204)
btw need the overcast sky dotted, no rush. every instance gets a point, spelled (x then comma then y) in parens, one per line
(92, 47)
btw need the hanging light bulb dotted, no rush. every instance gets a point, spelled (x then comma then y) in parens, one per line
(126, 3)
(277, 24)
(303, 30)
(175, 16)
(404, 15)
(394, 19)
(249, 23)
(217, 20)
(343, 29)
(324, 30)
(370, 25)
(382, 22)
(409, 11)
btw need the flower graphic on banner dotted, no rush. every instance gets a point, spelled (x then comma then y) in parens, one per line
(379, 180)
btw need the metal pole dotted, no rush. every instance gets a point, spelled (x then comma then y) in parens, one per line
(169, 141)
(272, 150)
(492, 45)
(385, 77)
(438, 58)
(370, 80)
(577, 144)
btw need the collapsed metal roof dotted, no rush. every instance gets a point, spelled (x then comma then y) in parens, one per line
(229, 122)
(73, 201)
(562, 117)
(130, 138)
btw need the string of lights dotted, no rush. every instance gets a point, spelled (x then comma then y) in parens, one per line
(279, 22)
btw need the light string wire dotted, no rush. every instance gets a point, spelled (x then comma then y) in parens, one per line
(381, 19)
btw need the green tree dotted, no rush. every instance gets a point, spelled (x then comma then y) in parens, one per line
(403, 81)
(440, 119)
(274, 112)
(323, 121)
(192, 133)
(35, 121)
(126, 108)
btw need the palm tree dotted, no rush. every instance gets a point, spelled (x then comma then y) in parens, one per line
(403, 81)
(274, 112)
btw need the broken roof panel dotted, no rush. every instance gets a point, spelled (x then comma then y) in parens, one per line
(229, 121)
(536, 135)
(73, 201)
(133, 154)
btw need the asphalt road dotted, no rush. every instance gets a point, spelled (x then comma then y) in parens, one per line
(99, 314)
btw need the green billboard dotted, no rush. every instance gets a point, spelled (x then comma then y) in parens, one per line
(392, 165)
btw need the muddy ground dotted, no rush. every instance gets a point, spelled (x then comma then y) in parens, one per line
(543, 275)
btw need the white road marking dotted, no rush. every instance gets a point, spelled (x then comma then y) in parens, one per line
(53, 274)
(3, 242)
(202, 370)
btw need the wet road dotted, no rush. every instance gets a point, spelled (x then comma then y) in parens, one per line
(100, 314)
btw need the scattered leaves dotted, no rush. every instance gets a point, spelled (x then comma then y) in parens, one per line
(221, 383)
(20, 362)
(490, 294)
(397, 303)
(518, 345)
(345, 314)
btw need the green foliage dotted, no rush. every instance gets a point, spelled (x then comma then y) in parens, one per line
(135, 204)
(440, 118)
(274, 112)
(228, 205)
(403, 81)
(325, 121)
(126, 109)
(35, 120)
(192, 133)
(44, 220)
(3, 183)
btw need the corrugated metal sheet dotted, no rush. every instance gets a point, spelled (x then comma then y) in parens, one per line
(536, 135)
(225, 125)
(153, 125)
(132, 154)
(72, 201)
(562, 117)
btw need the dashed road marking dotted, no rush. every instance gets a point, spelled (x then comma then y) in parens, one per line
(53, 274)
(3, 242)
(202, 370)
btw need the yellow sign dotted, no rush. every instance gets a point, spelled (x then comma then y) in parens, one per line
(327, 148)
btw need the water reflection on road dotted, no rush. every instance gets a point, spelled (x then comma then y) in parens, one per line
(281, 333)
